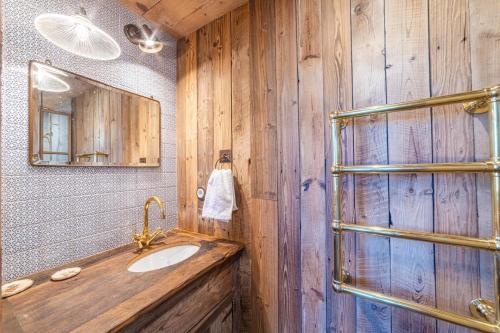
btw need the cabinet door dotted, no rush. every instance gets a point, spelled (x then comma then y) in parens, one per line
(222, 322)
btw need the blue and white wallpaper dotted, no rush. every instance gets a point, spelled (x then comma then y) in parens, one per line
(54, 215)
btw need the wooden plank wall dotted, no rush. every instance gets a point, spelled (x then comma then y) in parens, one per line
(484, 46)
(124, 126)
(312, 166)
(289, 204)
(455, 195)
(409, 141)
(341, 308)
(370, 147)
(262, 79)
(241, 126)
(214, 113)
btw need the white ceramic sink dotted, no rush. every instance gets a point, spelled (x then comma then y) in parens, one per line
(163, 258)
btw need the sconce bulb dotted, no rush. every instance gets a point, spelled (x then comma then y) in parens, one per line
(150, 46)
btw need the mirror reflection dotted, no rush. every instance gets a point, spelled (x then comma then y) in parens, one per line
(81, 122)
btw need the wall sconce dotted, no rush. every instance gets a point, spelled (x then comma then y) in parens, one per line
(144, 38)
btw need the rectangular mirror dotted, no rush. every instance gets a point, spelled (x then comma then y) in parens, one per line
(76, 121)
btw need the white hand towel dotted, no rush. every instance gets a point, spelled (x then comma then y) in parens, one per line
(220, 200)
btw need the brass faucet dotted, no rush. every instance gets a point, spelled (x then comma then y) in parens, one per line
(145, 239)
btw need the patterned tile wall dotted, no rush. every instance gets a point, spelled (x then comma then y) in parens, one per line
(51, 216)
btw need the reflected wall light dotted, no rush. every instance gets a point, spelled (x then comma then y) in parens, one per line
(76, 34)
(47, 79)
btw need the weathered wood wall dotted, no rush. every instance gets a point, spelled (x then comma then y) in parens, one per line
(214, 112)
(288, 63)
(124, 126)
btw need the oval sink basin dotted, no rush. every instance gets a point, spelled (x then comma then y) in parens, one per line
(163, 258)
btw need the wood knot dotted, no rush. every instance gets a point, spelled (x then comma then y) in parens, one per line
(306, 184)
(270, 126)
(318, 294)
(358, 9)
(141, 7)
(311, 56)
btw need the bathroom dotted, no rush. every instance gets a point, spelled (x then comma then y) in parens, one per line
(250, 166)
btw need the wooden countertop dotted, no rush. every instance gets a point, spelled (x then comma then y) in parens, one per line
(105, 297)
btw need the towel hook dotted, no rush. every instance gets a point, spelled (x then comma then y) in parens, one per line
(224, 157)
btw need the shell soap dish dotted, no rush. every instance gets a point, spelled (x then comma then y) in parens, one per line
(15, 287)
(65, 273)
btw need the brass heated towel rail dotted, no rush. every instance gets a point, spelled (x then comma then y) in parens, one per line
(486, 100)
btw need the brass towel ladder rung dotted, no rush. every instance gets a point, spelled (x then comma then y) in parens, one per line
(432, 237)
(478, 101)
(413, 168)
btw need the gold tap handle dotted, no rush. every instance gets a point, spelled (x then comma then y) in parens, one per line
(136, 238)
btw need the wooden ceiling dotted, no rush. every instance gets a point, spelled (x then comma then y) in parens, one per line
(181, 17)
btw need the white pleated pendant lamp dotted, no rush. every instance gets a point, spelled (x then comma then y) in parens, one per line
(76, 34)
(49, 79)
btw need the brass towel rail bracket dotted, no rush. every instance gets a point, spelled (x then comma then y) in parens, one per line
(486, 313)
(479, 106)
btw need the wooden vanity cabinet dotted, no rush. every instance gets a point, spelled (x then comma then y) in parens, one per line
(210, 304)
(199, 294)
(221, 321)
